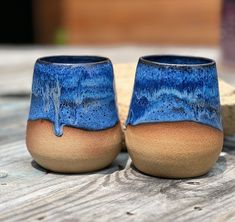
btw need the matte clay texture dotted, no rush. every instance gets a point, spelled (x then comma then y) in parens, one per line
(174, 150)
(74, 91)
(76, 151)
(173, 89)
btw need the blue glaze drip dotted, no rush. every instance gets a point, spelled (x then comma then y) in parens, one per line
(175, 88)
(74, 91)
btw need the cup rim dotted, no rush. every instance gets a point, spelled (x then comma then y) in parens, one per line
(207, 61)
(46, 60)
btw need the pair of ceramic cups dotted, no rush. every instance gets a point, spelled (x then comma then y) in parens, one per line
(173, 127)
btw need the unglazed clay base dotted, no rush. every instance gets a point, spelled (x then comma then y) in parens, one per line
(74, 152)
(174, 150)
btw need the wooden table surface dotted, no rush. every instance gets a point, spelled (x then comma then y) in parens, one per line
(117, 193)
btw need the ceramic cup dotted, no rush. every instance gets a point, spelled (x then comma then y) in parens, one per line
(73, 124)
(174, 125)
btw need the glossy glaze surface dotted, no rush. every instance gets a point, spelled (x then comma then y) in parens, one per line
(173, 89)
(74, 91)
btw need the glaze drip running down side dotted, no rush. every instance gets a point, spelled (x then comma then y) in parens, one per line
(74, 91)
(173, 89)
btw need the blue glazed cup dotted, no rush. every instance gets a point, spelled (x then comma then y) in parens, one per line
(73, 123)
(174, 123)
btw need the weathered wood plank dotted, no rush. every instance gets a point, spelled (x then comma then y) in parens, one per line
(112, 194)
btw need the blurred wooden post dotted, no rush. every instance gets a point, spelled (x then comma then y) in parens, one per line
(47, 20)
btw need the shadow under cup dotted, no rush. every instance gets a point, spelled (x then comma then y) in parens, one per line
(174, 124)
(73, 123)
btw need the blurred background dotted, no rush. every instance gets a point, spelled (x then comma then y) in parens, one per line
(123, 30)
(111, 22)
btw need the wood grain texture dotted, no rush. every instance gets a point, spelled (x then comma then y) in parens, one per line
(117, 193)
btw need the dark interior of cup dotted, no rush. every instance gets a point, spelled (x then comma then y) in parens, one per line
(73, 59)
(177, 60)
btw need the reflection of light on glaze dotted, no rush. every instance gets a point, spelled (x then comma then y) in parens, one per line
(51, 95)
(80, 96)
(153, 95)
(168, 93)
(46, 98)
(55, 94)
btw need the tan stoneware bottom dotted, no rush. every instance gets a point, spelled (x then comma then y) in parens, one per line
(76, 151)
(174, 150)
